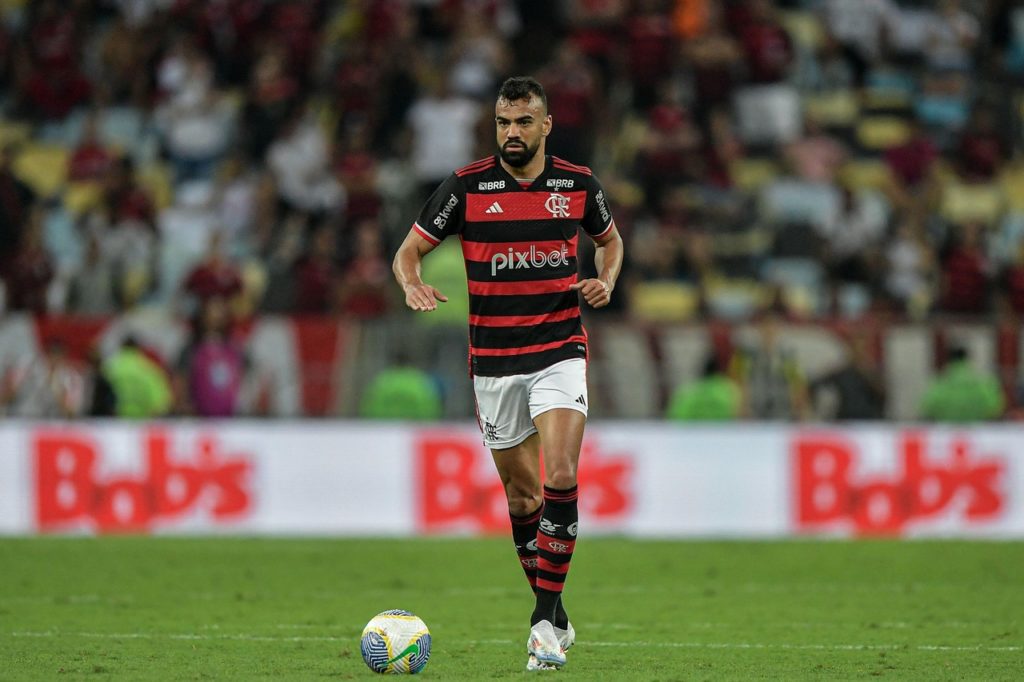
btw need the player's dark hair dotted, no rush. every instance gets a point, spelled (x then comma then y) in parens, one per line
(522, 87)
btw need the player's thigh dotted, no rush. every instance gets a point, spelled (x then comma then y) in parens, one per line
(503, 410)
(519, 470)
(558, 404)
(561, 437)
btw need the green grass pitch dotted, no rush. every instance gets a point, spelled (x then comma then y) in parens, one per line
(137, 608)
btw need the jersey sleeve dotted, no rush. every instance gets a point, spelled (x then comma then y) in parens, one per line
(597, 216)
(444, 212)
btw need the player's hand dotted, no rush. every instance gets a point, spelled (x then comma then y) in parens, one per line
(423, 297)
(596, 292)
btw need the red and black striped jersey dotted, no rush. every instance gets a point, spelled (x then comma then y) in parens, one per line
(519, 244)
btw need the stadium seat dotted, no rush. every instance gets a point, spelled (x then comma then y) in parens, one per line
(80, 197)
(878, 133)
(804, 28)
(43, 167)
(1011, 183)
(752, 174)
(962, 202)
(835, 109)
(663, 301)
(797, 201)
(157, 179)
(889, 89)
(735, 299)
(860, 174)
(801, 281)
(12, 132)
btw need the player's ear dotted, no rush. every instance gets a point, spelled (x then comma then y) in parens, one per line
(545, 129)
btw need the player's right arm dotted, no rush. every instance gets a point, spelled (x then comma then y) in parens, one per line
(407, 265)
(441, 215)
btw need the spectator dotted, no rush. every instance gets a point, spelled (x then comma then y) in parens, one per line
(854, 390)
(50, 386)
(140, 385)
(434, 156)
(365, 289)
(965, 271)
(962, 393)
(91, 160)
(215, 276)
(401, 392)
(196, 122)
(316, 274)
(713, 397)
(299, 159)
(16, 200)
(31, 269)
(771, 380)
(212, 369)
(92, 290)
(910, 269)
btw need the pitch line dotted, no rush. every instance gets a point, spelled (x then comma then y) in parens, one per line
(642, 644)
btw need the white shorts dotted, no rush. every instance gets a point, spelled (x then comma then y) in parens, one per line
(506, 406)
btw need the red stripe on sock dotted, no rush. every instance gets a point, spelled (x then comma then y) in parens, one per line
(545, 565)
(548, 585)
(569, 496)
(545, 543)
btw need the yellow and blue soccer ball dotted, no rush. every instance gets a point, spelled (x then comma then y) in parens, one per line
(396, 642)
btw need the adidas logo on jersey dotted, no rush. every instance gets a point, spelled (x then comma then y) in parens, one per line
(582, 401)
(495, 208)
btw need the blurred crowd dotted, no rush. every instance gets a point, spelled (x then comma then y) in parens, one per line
(812, 158)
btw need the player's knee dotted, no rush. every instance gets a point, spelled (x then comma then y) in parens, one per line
(522, 499)
(561, 478)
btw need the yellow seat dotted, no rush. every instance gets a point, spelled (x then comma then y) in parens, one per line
(156, 179)
(804, 28)
(43, 167)
(865, 174)
(963, 203)
(837, 109)
(80, 197)
(663, 301)
(752, 174)
(1011, 183)
(12, 132)
(882, 132)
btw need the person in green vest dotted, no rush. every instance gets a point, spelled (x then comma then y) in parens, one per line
(713, 397)
(962, 393)
(401, 392)
(141, 387)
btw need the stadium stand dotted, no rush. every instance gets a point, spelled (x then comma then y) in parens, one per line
(740, 142)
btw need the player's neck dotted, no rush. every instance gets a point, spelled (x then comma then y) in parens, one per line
(530, 171)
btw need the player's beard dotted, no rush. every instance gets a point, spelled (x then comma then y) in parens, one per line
(519, 157)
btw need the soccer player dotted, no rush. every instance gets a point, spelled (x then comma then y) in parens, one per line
(518, 216)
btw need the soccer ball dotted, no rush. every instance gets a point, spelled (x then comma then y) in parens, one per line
(396, 642)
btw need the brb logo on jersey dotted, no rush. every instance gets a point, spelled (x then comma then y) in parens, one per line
(558, 205)
(516, 260)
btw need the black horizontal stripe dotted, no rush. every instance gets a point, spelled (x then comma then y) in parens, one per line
(521, 230)
(517, 337)
(529, 304)
(481, 272)
(525, 364)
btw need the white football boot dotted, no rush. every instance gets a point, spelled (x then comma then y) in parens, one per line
(566, 637)
(543, 645)
(533, 665)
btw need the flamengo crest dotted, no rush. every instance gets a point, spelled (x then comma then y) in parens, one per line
(558, 204)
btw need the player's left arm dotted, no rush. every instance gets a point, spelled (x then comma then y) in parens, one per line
(597, 291)
(598, 223)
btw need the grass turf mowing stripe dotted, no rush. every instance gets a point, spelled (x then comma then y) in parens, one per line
(502, 642)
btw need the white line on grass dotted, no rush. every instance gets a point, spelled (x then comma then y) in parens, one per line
(642, 644)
